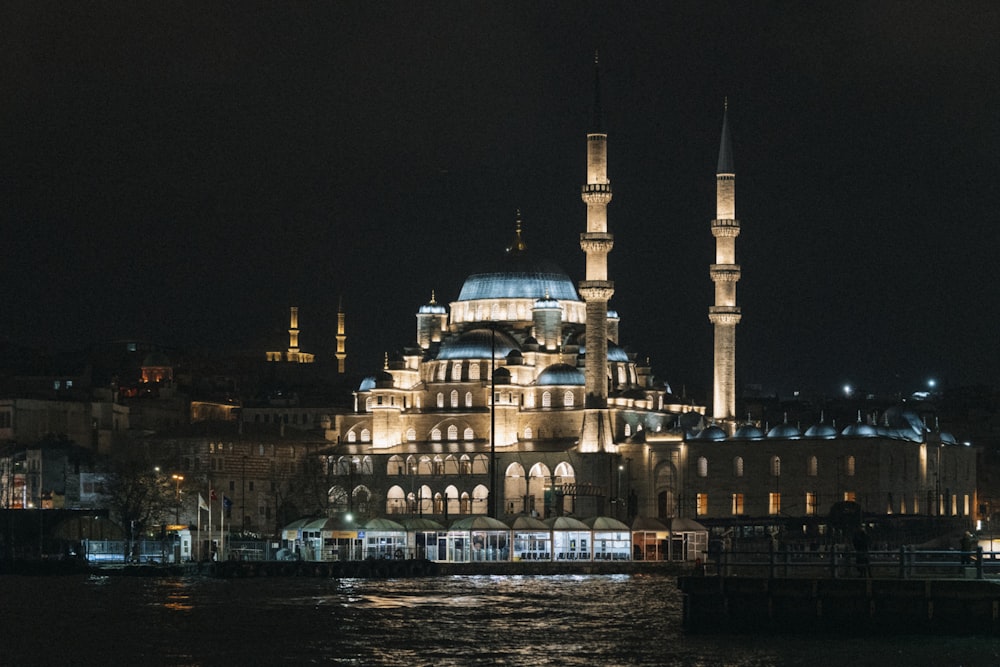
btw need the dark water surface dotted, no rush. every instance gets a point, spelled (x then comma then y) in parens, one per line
(481, 620)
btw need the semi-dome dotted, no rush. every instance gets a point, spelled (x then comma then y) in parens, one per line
(478, 344)
(367, 384)
(749, 432)
(560, 374)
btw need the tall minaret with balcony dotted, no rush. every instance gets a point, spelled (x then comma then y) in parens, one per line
(596, 289)
(341, 354)
(725, 273)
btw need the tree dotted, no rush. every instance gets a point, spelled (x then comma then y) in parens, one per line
(137, 494)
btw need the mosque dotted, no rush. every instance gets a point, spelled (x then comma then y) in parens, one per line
(522, 386)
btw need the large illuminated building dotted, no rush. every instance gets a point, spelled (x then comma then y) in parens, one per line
(521, 384)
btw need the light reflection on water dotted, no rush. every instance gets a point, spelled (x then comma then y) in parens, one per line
(446, 621)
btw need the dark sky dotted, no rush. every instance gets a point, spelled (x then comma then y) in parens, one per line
(184, 172)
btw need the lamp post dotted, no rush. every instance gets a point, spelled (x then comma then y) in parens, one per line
(177, 497)
(621, 499)
(491, 510)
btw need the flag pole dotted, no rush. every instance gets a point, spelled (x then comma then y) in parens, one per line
(209, 522)
(222, 528)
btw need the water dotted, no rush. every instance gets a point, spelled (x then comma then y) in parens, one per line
(446, 621)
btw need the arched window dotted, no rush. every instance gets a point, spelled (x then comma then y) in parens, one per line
(812, 467)
(366, 435)
(474, 370)
(628, 429)
(456, 371)
(468, 399)
(438, 465)
(450, 465)
(568, 399)
(396, 465)
(546, 400)
(738, 466)
(395, 501)
(442, 371)
(440, 400)
(368, 404)
(425, 467)
(411, 434)
(454, 398)
(702, 466)
(465, 465)
(436, 434)
(469, 434)
(849, 466)
(776, 466)
(527, 433)
(352, 436)
(453, 432)
(480, 464)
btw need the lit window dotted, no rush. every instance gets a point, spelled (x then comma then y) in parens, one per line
(628, 429)
(453, 432)
(568, 399)
(469, 434)
(468, 399)
(352, 436)
(454, 398)
(737, 504)
(701, 504)
(849, 466)
(436, 434)
(774, 503)
(440, 400)
(849, 496)
(702, 466)
(738, 466)
(527, 433)
(810, 504)
(411, 434)
(812, 467)
(366, 436)
(546, 400)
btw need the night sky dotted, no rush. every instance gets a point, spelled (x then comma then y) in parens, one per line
(182, 173)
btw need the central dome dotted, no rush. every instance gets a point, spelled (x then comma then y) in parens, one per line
(520, 276)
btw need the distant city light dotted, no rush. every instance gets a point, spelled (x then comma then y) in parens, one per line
(932, 383)
(847, 390)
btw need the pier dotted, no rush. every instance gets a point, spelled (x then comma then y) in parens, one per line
(903, 591)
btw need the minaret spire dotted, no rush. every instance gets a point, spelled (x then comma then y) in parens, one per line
(598, 114)
(596, 289)
(725, 273)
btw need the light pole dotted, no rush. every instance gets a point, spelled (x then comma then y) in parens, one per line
(621, 499)
(177, 497)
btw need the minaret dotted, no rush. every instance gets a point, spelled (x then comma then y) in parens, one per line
(293, 335)
(725, 273)
(596, 289)
(341, 353)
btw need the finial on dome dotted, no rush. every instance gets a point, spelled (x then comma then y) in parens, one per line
(519, 245)
(385, 363)
(433, 299)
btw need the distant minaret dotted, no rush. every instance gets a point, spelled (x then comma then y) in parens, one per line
(596, 289)
(725, 273)
(293, 335)
(341, 338)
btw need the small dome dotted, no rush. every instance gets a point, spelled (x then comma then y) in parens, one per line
(545, 304)
(860, 430)
(156, 359)
(432, 309)
(515, 358)
(948, 438)
(367, 384)
(613, 315)
(784, 431)
(561, 374)
(615, 353)
(713, 432)
(477, 344)
(821, 431)
(501, 376)
(749, 432)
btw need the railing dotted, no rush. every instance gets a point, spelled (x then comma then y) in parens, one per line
(904, 563)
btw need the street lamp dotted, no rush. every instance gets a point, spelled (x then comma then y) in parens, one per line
(177, 497)
(621, 499)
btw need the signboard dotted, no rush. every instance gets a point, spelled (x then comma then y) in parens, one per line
(344, 534)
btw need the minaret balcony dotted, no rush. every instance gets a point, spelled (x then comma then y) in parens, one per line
(596, 193)
(725, 228)
(724, 273)
(597, 290)
(599, 242)
(725, 315)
